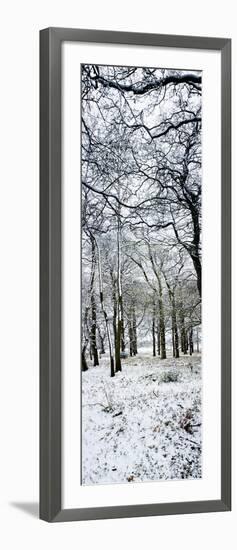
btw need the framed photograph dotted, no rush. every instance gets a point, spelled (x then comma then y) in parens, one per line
(135, 274)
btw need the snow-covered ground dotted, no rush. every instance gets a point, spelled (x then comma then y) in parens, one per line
(141, 425)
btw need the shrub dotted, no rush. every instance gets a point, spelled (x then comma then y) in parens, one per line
(169, 376)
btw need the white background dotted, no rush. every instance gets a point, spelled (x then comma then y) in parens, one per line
(20, 22)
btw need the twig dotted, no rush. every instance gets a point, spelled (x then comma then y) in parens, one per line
(190, 441)
(117, 414)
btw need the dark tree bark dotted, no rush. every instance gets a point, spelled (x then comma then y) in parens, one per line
(158, 337)
(182, 339)
(192, 202)
(118, 346)
(122, 327)
(130, 334)
(162, 330)
(85, 340)
(191, 341)
(195, 248)
(112, 373)
(174, 327)
(186, 342)
(173, 343)
(114, 298)
(84, 366)
(197, 340)
(134, 328)
(182, 328)
(190, 79)
(154, 327)
(118, 366)
(94, 350)
(160, 306)
(153, 337)
(93, 343)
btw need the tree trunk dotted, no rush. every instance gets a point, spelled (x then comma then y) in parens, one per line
(94, 350)
(158, 337)
(112, 373)
(173, 343)
(114, 312)
(191, 341)
(85, 338)
(130, 334)
(84, 366)
(198, 269)
(161, 323)
(154, 327)
(186, 342)
(195, 249)
(162, 330)
(117, 349)
(176, 342)
(182, 329)
(175, 328)
(118, 366)
(122, 327)
(153, 337)
(172, 317)
(183, 341)
(102, 345)
(161, 307)
(134, 329)
(93, 346)
(197, 340)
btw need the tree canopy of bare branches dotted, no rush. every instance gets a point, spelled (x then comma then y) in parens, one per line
(141, 211)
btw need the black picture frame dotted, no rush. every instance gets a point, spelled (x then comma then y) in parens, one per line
(51, 40)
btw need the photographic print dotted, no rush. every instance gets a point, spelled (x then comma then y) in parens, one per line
(141, 274)
(135, 371)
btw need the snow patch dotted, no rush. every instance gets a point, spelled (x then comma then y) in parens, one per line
(141, 425)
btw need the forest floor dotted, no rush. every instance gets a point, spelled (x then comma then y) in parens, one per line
(145, 423)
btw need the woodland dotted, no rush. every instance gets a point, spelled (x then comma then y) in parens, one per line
(141, 212)
(141, 256)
